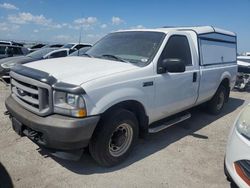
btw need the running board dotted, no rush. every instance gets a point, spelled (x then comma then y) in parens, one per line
(169, 123)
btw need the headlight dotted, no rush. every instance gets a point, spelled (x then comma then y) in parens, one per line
(243, 123)
(69, 104)
(8, 65)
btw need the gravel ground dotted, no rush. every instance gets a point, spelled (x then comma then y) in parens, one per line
(189, 154)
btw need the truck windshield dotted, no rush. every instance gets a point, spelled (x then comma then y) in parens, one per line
(132, 46)
(80, 52)
(40, 53)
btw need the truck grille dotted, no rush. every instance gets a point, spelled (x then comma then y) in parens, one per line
(33, 95)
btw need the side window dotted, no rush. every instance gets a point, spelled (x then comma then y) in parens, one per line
(177, 47)
(20, 52)
(16, 51)
(58, 54)
(79, 46)
(2, 50)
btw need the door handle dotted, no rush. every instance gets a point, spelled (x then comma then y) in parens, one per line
(194, 76)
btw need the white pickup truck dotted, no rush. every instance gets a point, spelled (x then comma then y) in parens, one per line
(130, 83)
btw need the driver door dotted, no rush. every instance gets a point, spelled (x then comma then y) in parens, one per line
(176, 92)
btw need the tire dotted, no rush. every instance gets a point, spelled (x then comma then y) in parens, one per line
(114, 138)
(216, 104)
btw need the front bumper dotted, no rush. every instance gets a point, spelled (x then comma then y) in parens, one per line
(238, 151)
(54, 131)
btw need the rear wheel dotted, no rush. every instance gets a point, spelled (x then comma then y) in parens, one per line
(114, 137)
(216, 104)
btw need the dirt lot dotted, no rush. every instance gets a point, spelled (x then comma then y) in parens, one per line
(189, 154)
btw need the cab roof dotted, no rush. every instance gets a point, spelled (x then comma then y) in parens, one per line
(198, 29)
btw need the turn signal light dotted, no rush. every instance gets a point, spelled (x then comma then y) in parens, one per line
(242, 174)
(82, 113)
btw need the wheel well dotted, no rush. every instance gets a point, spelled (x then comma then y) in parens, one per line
(226, 84)
(139, 111)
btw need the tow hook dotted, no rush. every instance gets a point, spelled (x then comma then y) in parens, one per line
(6, 113)
(33, 134)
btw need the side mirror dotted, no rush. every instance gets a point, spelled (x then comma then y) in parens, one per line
(173, 65)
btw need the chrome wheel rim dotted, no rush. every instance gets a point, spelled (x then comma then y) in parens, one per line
(220, 101)
(120, 140)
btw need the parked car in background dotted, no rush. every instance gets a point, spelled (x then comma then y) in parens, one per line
(44, 53)
(237, 159)
(5, 43)
(12, 51)
(132, 83)
(36, 47)
(17, 44)
(12, 43)
(76, 46)
(80, 52)
(243, 76)
(53, 46)
(247, 53)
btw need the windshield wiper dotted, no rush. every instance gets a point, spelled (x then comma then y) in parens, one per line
(87, 55)
(114, 57)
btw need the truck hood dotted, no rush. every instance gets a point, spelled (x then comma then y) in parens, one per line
(79, 70)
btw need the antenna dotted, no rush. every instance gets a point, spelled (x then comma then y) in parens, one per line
(80, 37)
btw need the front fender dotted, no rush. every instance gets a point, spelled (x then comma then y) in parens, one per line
(116, 96)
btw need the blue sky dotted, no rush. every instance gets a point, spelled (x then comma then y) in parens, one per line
(60, 21)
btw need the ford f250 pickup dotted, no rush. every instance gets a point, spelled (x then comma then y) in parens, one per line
(130, 83)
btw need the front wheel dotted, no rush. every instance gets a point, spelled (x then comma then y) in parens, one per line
(216, 104)
(114, 137)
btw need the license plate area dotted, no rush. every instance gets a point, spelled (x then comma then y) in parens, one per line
(17, 126)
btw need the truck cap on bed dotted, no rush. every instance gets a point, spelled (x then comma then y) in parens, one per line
(198, 29)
